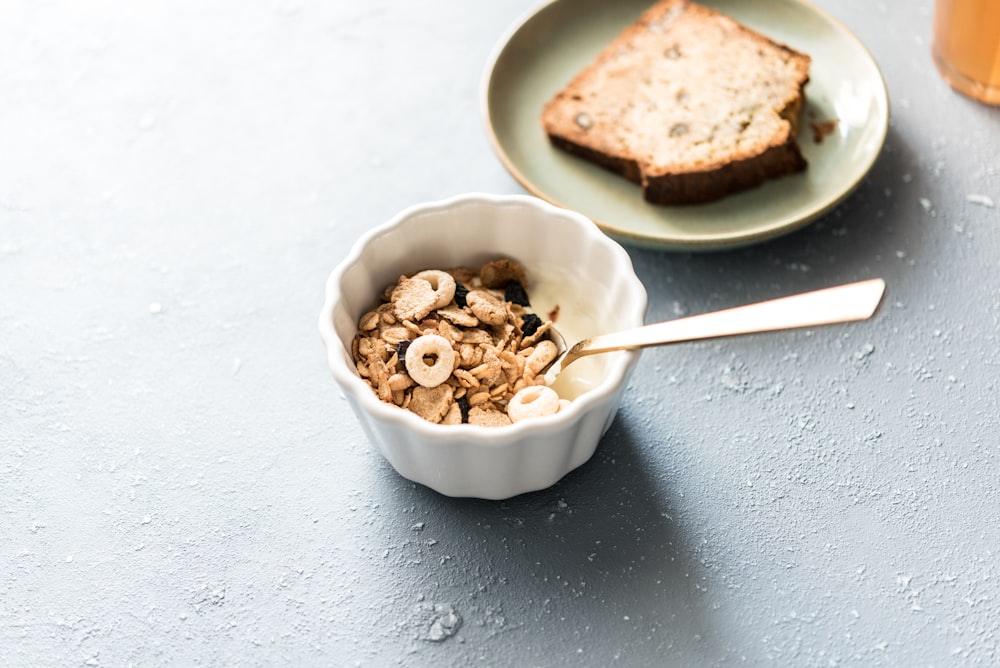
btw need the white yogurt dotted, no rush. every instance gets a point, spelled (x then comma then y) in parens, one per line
(581, 301)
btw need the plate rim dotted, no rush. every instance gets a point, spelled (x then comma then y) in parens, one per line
(722, 241)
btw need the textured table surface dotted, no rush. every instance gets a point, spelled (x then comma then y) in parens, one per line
(181, 482)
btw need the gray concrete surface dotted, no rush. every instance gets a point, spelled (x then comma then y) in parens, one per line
(181, 482)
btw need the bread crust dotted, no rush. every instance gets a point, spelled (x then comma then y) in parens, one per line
(686, 102)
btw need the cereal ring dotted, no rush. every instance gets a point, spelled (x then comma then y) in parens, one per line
(443, 284)
(438, 371)
(533, 401)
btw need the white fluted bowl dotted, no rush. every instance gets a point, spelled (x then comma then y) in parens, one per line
(469, 460)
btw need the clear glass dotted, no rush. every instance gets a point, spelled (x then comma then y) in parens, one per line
(966, 47)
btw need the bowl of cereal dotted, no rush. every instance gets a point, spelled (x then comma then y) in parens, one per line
(435, 326)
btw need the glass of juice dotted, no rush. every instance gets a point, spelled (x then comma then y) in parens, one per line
(966, 46)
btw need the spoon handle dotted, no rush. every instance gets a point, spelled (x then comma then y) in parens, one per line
(844, 303)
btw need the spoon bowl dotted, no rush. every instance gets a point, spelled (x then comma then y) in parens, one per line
(843, 303)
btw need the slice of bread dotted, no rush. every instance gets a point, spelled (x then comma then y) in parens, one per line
(688, 103)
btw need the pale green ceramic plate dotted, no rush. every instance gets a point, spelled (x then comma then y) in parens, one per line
(544, 50)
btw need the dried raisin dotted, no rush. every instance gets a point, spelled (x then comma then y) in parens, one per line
(401, 354)
(516, 294)
(530, 324)
(461, 292)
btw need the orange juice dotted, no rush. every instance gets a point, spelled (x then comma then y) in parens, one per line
(967, 46)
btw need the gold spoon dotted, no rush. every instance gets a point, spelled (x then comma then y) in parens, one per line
(844, 303)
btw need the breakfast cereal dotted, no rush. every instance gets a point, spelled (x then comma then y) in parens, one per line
(459, 346)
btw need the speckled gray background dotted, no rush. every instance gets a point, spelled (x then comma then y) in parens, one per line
(181, 482)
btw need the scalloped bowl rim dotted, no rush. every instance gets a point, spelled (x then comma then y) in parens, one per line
(346, 376)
